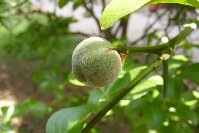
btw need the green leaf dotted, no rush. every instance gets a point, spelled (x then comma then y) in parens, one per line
(64, 120)
(190, 72)
(176, 127)
(187, 114)
(176, 62)
(33, 106)
(77, 3)
(136, 105)
(94, 97)
(174, 90)
(120, 8)
(4, 5)
(124, 79)
(62, 3)
(6, 128)
(146, 85)
(141, 89)
(154, 115)
(194, 3)
(6, 23)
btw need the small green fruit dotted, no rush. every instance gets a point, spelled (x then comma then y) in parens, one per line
(95, 63)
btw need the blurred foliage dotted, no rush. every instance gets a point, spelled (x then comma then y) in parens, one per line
(28, 34)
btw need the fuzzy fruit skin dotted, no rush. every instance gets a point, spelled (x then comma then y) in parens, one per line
(95, 63)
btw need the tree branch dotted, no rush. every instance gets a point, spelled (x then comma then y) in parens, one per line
(164, 48)
(90, 10)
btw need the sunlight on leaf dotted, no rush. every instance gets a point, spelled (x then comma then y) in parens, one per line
(74, 81)
(117, 9)
(146, 85)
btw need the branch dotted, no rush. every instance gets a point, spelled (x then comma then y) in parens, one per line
(103, 3)
(165, 81)
(126, 90)
(124, 24)
(81, 33)
(162, 51)
(164, 48)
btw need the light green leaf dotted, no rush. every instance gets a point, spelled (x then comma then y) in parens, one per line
(176, 62)
(146, 85)
(6, 23)
(125, 78)
(74, 81)
(141, 89)
(64, 120)
(94, 97)
(120, 8)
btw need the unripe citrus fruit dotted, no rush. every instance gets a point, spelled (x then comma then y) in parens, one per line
(95, 63)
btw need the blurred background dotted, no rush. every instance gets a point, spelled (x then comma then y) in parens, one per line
(37, 38)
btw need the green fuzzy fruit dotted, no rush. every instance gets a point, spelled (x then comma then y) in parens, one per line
(95, 63)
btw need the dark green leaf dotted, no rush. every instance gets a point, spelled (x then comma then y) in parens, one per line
(190, 72)
(62, 3)
(154, 115)
(174, 90)
(77, 3)
(187, 114)
(176, 127)
(136, 105)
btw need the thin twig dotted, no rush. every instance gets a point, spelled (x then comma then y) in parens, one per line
(103, 3)
(149, 27)
(91, 11)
